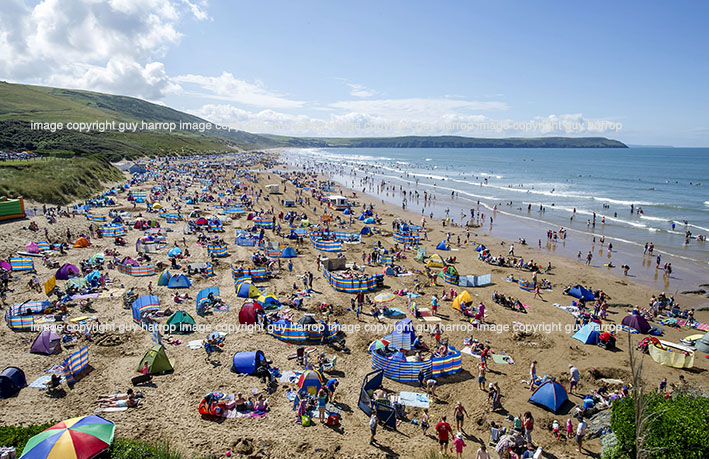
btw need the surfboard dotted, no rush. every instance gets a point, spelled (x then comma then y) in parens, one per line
(28, 254)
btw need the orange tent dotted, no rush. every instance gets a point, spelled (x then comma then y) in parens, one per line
(82, 242)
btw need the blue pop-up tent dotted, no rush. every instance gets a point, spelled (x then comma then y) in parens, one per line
(248, 362)
(580, 292)
(366, 231)
(550, 395)
(442, 246)
(12, 379)
(385, 413)
(588, 334)
(288, 252)
(179, 281)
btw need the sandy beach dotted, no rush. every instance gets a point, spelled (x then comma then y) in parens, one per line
(169, 409)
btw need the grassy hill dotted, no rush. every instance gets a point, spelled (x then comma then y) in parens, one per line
(22, 104)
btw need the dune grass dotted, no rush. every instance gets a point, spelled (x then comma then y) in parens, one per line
(56, 180)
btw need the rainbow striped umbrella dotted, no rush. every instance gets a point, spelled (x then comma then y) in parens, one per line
(76, 438)
(378, 344)
(384, 297)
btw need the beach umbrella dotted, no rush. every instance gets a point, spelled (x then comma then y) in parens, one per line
(76, 438)
(384, 297)
(378, 344)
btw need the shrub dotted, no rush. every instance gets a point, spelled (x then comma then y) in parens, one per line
(17, 436)
(679, 426)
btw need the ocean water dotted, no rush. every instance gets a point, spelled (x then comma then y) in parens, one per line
(670, 185)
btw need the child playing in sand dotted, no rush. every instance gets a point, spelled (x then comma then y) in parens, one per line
(569, 428)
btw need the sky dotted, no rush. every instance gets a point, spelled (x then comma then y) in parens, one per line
(632, 71)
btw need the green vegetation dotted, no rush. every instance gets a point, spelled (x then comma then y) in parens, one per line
(17, 437)
(678, 427)
(57, 180)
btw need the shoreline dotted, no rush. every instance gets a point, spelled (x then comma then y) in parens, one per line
(508, 227)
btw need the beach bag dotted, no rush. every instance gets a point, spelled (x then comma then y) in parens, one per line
(305, 421)
(333, 420)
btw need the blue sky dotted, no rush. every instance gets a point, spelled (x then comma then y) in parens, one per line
(627, 70)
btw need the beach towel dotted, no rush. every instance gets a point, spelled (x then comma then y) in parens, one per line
(289, 376)
(502, 359)
(195, 344)
(414, 399)
(56, 369)
(469, 351)
(222, 307)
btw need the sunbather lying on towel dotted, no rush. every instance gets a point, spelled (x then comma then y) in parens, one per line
(119, 396)
(130, 402)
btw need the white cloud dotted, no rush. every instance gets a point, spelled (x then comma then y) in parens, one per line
(358, 90)
(228, 88)
(112, 45)
(359, 124)
(420, 109)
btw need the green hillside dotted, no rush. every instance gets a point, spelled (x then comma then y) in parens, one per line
(22, 104)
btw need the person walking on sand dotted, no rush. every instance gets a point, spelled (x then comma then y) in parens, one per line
(532, 374)
(538, 293)
(459, 413)
(459, 444)
(443, 429)
(425, 421)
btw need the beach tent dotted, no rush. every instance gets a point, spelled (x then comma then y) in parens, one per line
(550, 395)
(463, 297)
(248, 362)
(702, 344)
(129, 261)
(310, 381)
(164, 278)
(421, 254)
(32, 247)
(288, 252)
(82, 242)
(435, 261)
(157, 360)
(366, 231)
(403, 336)
(179, 281)
(442, 246)
(12, 379)
(268, 301)
(246, 289)
(671, 354)
(588, 334)
(174, 252)
(369, 220)
(480, 248)
(66, 272)
(180, 322)
(248, 313)
(475, 281)
(637, 322)
(580, 292)
(388, 271)
(47, 342)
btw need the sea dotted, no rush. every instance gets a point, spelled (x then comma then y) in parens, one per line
(657, 195)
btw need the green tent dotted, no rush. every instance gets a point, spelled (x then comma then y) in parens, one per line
(164, 277)
(157, 360)
(180, 322)
(421, 254)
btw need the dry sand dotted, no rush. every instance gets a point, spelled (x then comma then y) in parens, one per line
(170, 407)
